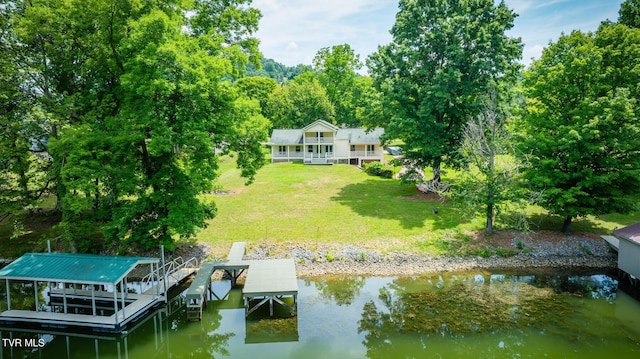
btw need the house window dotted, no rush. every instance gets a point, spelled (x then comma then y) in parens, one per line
(298, 149)
(310, 149)
(353, 148)
(371, 148)
(321, 134)
(282, 149)
(328, 149)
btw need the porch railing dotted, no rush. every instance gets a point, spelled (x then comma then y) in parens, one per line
(318, 140)
(366, 153)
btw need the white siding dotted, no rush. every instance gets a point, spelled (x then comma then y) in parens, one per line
(341, 148)
(629, 257)
(319, 128)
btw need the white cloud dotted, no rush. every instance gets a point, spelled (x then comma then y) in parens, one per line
(292, 31)
(312, 25)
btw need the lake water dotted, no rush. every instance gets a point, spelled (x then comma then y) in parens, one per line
(477, 314)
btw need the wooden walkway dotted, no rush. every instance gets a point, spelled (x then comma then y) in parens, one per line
(267, 281)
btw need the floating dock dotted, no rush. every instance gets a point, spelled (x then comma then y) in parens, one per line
(267, 281)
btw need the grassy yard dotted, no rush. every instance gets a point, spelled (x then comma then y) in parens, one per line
(292, 203)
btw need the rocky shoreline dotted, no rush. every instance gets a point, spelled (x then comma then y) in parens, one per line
(572, 254)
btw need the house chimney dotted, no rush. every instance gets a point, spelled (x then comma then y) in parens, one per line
(344, 125)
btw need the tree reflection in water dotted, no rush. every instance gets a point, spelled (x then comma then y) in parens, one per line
(206, 341)
(339, 289)
(430, 308)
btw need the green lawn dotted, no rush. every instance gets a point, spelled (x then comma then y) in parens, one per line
(292, 203)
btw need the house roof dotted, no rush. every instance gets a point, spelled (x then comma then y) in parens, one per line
(72, 268)
(360, 136)
(286, 137)
(320, 122)
(630, 233)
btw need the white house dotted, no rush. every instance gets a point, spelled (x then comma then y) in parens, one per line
(324, 143)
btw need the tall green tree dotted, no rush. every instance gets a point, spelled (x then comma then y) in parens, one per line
(582, 124)
(442, 57)
(336, 67)
(21, 172)
(299, 102)
(136, 96)
(257, 88)
(630, 13)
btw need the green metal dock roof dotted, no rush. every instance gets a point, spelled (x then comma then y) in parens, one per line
(72, 268)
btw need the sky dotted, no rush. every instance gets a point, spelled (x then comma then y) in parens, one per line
(292, 31)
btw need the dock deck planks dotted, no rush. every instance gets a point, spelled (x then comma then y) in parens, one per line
(271, 277)
(270, 280)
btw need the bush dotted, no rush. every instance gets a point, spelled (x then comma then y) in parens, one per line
(378, 169)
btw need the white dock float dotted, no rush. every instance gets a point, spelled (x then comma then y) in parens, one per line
(270, 280)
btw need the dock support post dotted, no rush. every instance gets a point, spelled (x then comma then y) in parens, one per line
(115, 301)
(151, 280)
(93, 299)
(164, 274)
(35, 291)
(122, 300)
(64, 298)
(8, 294)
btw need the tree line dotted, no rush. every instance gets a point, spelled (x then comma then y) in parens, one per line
(119, 109)
(561, 133)
(569, 123)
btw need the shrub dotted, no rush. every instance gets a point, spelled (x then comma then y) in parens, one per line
(378, 169)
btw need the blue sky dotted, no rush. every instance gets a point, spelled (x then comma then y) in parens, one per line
(292, 31)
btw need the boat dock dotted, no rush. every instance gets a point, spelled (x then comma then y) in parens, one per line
(267, 281)
(88, 291)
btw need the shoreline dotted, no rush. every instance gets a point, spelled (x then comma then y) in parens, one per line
(417, 265)
(572, 254)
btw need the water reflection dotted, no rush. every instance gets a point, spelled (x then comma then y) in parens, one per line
(164, 334)
(435, 310)
(61, 343)
(450, 315)
(339, 289)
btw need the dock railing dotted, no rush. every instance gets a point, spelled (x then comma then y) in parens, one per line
(175, 271)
